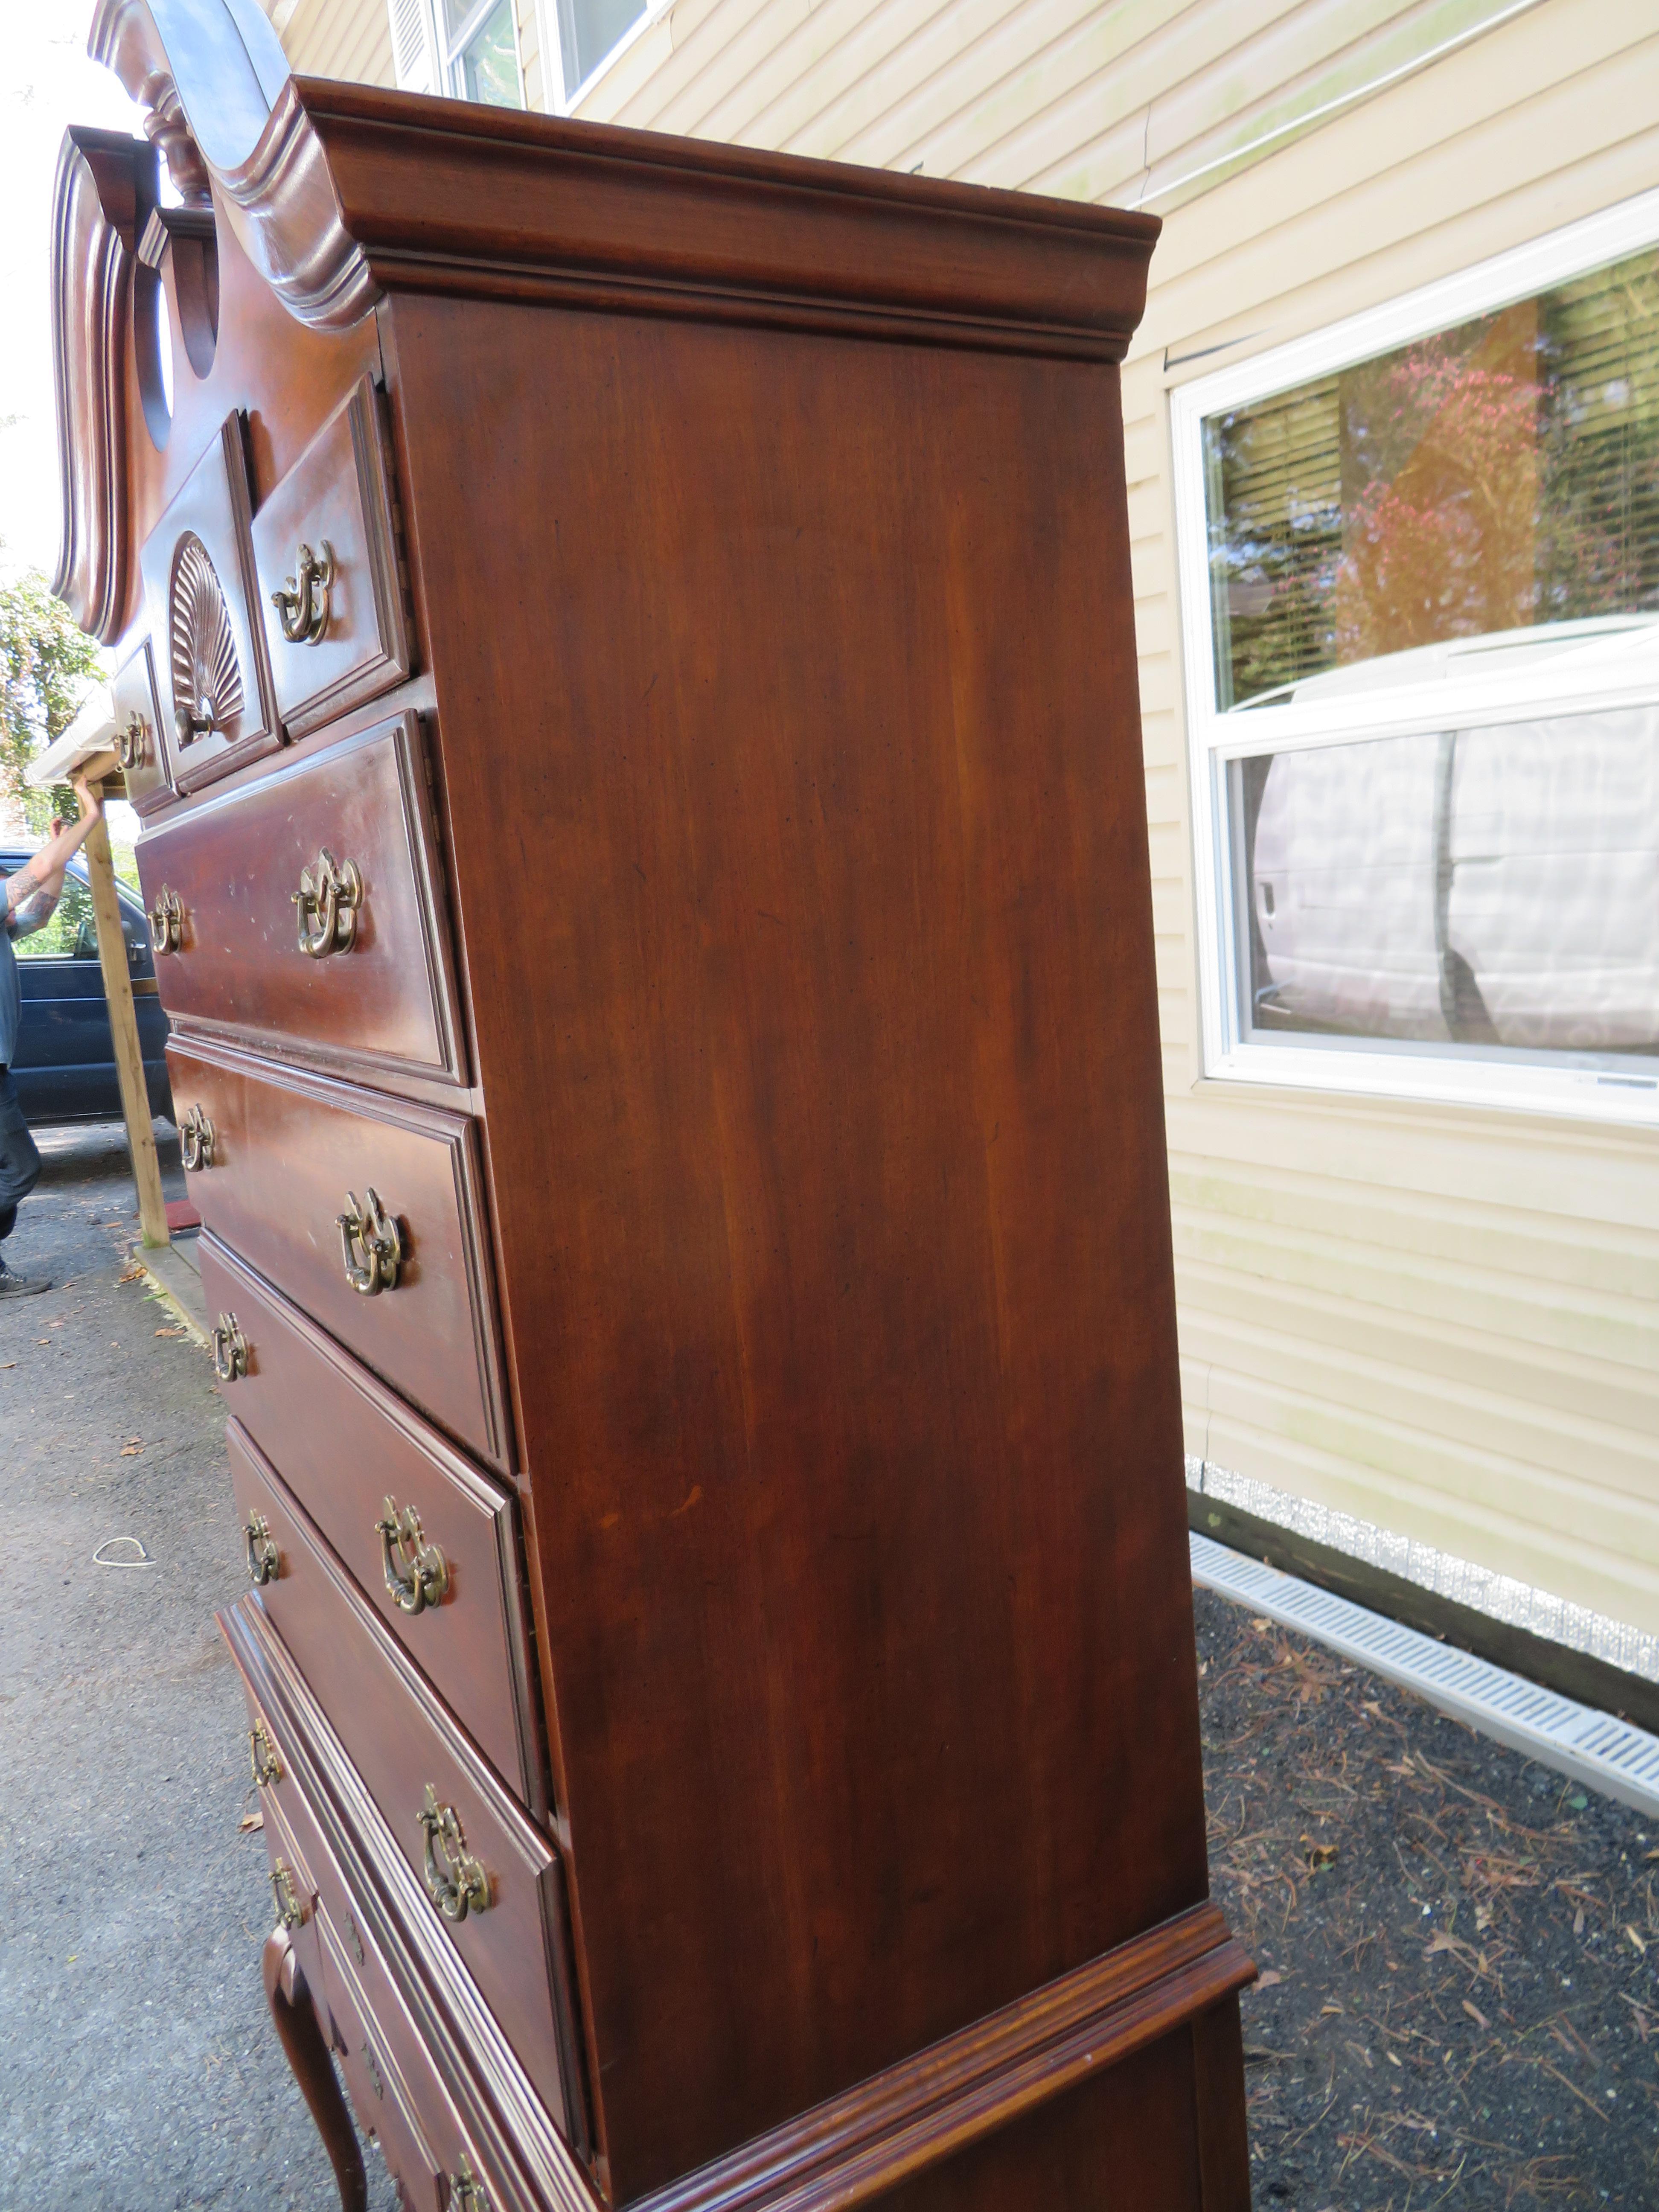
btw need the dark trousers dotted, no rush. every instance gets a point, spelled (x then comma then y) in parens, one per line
(20, 1164)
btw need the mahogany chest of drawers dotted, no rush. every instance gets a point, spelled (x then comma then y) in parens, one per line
(632, 697)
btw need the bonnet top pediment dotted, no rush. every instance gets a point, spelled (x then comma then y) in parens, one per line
(340, 194)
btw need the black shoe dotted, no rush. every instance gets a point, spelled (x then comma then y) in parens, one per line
(21, 1286)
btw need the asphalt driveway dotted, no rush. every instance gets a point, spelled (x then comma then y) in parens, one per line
(141, 2071)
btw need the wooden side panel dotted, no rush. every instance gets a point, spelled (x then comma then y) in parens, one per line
(835, 1252)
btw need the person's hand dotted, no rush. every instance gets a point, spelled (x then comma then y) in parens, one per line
(56, 825)
(91, 806)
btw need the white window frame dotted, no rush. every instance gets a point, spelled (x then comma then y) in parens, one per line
(570, 98)
(1383, 1070)
(450, 51)
(432, 70)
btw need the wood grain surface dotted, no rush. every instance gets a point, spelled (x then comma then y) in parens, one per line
(289, 1149)
(342, 1442)
(829, 1176)
(385, 1009)
(402, 1741)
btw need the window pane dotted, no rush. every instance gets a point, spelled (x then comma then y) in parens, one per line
(1493, 477)
(588, 29)
(71, 934)
(488, 65)
(1493, 888)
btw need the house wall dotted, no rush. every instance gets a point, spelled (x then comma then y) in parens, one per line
(1442, 1321)
(350, 39)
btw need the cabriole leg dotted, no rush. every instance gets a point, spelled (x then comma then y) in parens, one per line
(313, 2070)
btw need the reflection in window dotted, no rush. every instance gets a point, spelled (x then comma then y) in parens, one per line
(1491, 477)
(71, 934)
(483, 60)
(588, 29)
(1495, 887)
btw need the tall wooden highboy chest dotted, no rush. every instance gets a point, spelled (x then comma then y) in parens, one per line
(626, 663)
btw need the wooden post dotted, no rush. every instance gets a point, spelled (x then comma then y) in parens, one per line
(124, 1031)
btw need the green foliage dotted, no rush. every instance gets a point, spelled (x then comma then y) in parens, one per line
(46, 664)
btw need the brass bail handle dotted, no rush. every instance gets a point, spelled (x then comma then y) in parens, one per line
(461, 1884)
(302, 603)
(416, 1572)
(328, 899)
(263, 1559)
(289, 1910)
(229, 1349)
(167, 921)
(267, 1766)
(371, 1244)
(196, 1139)
(132, 744)
(466, 2192)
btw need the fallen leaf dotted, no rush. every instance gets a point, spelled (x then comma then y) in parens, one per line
(1266, 1981)
(1637, 1940)
(131, 1448)
(254, 1820)
(1578, 1922)
(1392, 2060)
(1476, 2015)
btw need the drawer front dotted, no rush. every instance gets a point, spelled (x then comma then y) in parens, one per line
(325, 552)
(311, 912)
(385, 2105)
(294, 1884)
(350, 1450)
(438, 2118)
(212, 680)
(139, 732)
(413, 1760)
(283, 1152)
(394, 2087)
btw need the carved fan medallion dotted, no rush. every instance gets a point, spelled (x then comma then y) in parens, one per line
(206, 681)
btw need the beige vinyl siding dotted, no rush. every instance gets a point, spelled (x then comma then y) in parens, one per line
(1444, 1321)
(1440, 1320)
(350, 38)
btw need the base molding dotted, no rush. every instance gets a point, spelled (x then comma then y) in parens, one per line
(859, 2145)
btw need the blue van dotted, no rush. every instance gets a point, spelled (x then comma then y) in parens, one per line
(65, 1063)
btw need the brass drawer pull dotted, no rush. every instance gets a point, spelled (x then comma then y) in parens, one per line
(197, 1138)
(303, 605)
(371, 1245)
(426, 1575)
(264, 1561)
(267, 1766)
(461, 1885)
(167, 921)
(329, 898)
(289, 1910)
(132, 744)
(229, 1350)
